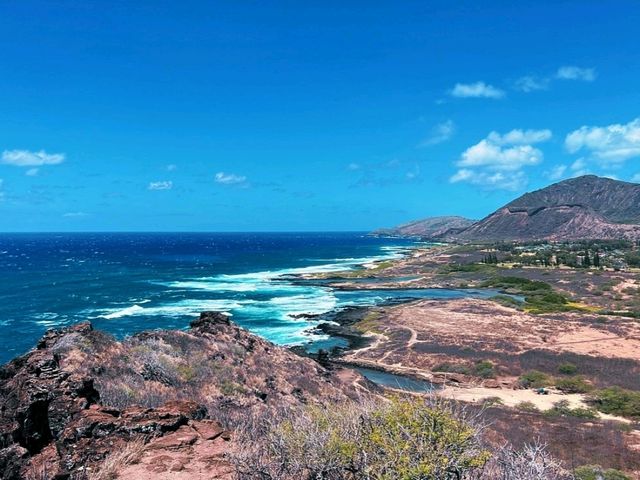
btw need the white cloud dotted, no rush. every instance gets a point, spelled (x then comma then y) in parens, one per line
(230, 179)
(635, 178)
(557, 172)
(579, 167)
(26, 158)
(576, 169)
(495, 157)
(354, 166)
(520, 137)
(440, 133)
(476, 90)
(612, 144)
(162, 185)
(498, 160)
(571, 72)
(171, 167)
(532, 83)
(529, 83)
(579, 164)
(75, 214)
(491, 180)
(32, 172)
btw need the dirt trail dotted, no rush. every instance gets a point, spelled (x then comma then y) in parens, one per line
(414, 337)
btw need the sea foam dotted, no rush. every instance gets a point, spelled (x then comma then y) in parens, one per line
(266, 302)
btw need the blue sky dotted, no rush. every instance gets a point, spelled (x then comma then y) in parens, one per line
(237, 116)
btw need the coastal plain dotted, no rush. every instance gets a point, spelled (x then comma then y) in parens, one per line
(534, 365)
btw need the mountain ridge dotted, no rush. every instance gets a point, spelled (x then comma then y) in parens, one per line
(585, 207)
(430, 227)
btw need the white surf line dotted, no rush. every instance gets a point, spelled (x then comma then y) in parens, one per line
(303, 300)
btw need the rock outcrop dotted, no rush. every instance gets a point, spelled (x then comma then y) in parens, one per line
(82, 401)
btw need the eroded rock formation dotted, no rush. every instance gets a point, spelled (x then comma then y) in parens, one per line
(81, 397)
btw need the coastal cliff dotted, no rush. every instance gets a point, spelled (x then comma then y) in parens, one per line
(81, 400)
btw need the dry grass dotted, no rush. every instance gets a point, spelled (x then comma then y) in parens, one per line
(129, 455)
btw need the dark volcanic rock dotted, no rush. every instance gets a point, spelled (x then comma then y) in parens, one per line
(208, 320)
(11, 460)
(37, 398)
(81, 396)
(96, 432)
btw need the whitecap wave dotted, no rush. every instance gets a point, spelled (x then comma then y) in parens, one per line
(266, 302)
(179, 309)
(47, 319)
(125, 312)
(213, 286)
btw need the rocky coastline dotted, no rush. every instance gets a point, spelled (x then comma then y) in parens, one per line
(81, 398)
(82, 404)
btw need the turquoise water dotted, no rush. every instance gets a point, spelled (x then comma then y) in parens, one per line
(127, 282)
(399, 382)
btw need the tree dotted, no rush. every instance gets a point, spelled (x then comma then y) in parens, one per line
(587, 260)
(596, 260)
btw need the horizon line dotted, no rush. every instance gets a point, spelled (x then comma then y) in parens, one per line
(179, 231)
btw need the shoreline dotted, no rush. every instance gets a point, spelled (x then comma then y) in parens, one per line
(332, 323)
(170, 281)
(410, 338)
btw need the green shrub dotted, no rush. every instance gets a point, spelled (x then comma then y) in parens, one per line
(507, 301)
(596, 472)
(546, 298)
(519, 284)
(492, 402)
(484, 369)
(617, 401)
(452, 368)
(563, 409)
(580, 412)
(567, 368)
(230, 388)
(186, 372)
(576, 384)
(465, 268)
(632, 258)
(539, 296)
(369, 323)
(527, 407)
(535, 379)
(400, 439)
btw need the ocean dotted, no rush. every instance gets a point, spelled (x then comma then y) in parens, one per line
(128, 282)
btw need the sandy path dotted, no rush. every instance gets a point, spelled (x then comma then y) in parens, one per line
(512, 398)
(414, 337)
(379, 338)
